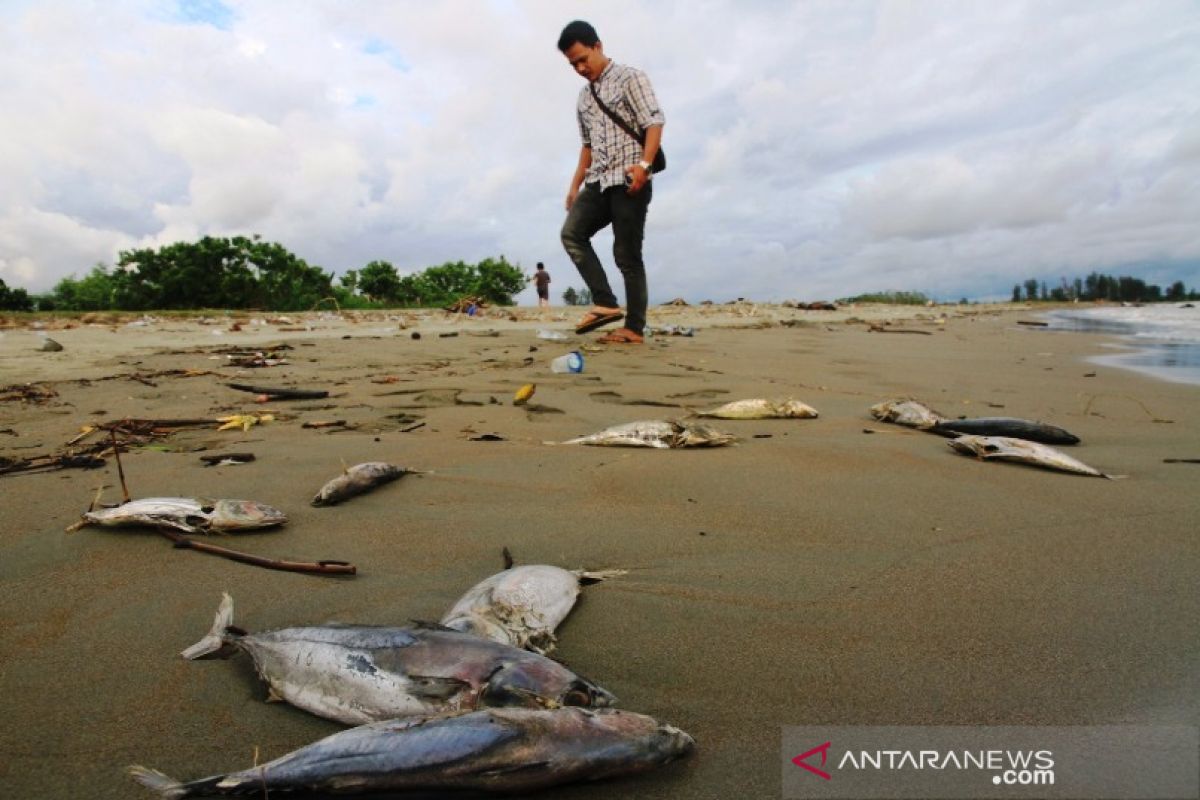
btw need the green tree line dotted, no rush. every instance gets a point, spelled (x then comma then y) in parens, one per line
(894, 298)
(1101, 287)
(14, 299)
(493, 279)
(249, 273)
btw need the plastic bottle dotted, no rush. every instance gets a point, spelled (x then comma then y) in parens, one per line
(571, 362)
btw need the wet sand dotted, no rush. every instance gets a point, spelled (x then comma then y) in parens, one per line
(814, 573)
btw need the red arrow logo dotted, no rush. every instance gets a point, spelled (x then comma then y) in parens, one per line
(823, 749)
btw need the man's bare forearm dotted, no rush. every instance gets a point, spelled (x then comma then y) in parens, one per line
(653, 142)
(585, 163)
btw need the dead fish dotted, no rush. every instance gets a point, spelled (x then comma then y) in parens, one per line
(358, 479)
(187, 514)
(759, 408)
(1004, 448)
(505, 750)
(356, 674)
(660, 434)
(907, 412)
(1006, 426)
(521, 606)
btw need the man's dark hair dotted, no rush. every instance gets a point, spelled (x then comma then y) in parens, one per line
(577, 31)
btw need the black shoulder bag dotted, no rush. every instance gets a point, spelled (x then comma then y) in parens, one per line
(660, 158)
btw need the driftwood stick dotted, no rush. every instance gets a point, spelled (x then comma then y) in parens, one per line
(873, 328)
(217, 458)
(133, 425)
(280, 392)
(317, 567)
(117, 455)
(47, 463)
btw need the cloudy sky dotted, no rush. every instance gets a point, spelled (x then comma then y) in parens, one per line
(816, 149)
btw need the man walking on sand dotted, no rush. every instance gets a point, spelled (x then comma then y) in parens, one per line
(542, 279)
(611, 184)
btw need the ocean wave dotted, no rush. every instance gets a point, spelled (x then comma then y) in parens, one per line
(1152, 323)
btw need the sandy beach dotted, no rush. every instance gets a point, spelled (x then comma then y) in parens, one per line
(833, 571)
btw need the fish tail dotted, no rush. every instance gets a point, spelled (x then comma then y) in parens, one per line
(166, 787)
(215, 640)
(595, 576)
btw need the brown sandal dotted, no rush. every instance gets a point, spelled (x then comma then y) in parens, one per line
(598, 319)
(621, 336)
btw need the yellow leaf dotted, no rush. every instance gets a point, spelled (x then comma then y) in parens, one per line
(523, 394)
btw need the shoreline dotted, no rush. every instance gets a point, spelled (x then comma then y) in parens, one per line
(836, 570)
(1150, 350)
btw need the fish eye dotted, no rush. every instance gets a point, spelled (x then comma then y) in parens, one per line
(208, 509)
(577, 694)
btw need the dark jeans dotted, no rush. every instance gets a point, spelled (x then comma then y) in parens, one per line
(626, 213)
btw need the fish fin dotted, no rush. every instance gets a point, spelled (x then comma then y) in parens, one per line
(156, 781)
(1114, 477)
(542, 643)
(428, 625)
(214, 641)
(528, 766)
(588, 577)
(508, 559)
(940, 429)
(435, 687)
(273, 696)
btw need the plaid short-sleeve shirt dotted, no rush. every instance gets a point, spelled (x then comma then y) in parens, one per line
(628, 93)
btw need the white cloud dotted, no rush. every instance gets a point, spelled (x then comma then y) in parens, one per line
(816, 150)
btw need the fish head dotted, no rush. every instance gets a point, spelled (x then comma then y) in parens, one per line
(796, 409)
(883, 411)
(541, 682)
(239, 515)
(646, 740)
(483, 627)
(700, 435)
(906, 412)
(982, 446)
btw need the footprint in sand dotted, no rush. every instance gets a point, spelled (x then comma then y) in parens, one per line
(701, 394)
(616, 398)
(433, 398)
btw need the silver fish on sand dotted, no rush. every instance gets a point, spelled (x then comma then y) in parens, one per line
(1004, 448)
(356, 480)
(362, 673)
(761, 408)
(521, 606)
(497, 750)
(660, 434)
(1006, 426)
(188, 514)
(909, 413)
